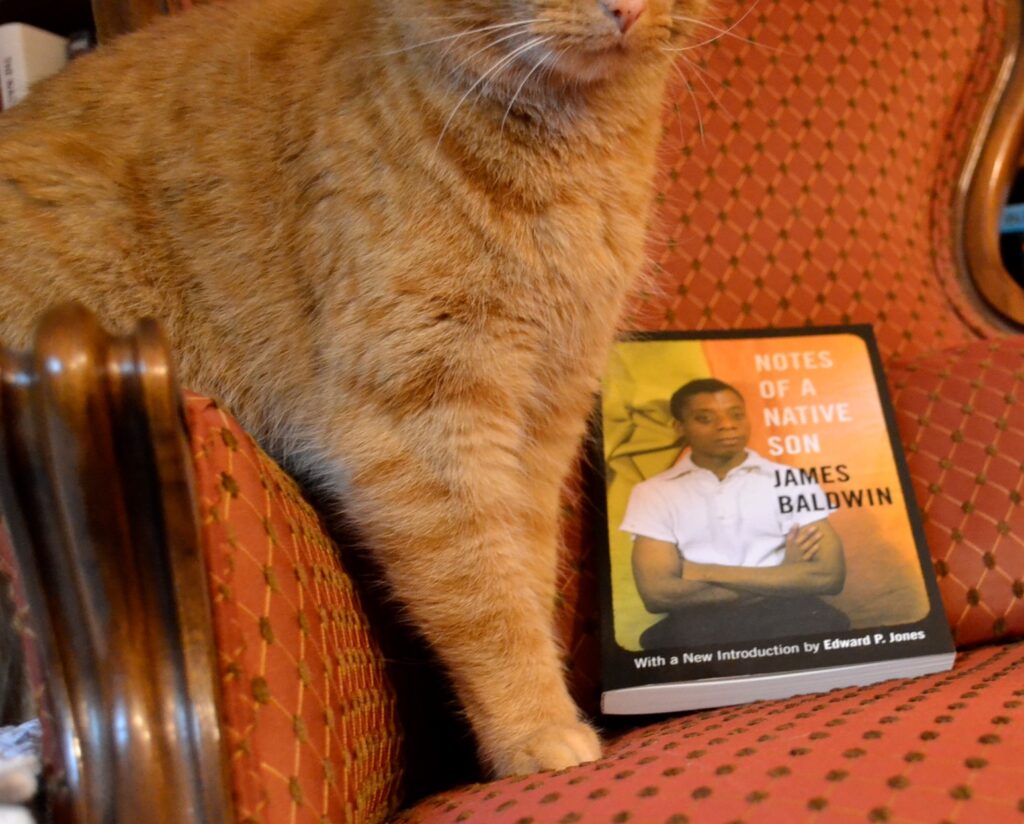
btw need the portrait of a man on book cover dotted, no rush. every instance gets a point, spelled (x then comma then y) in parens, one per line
(752, 493)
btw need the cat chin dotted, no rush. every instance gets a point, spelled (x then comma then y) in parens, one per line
(603, 58)
(588, 67)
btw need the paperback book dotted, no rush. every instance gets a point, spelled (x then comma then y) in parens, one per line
(762, 536)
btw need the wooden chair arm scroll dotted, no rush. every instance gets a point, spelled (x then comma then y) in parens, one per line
(97, 492)
(995, 157)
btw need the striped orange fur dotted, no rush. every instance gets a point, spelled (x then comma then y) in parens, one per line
(395, 237)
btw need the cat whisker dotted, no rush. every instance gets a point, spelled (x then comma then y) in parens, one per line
(700, 67)
(700, 75)
(506, 64)
(721, 32)
(475, 34)
(693, 99)
(502, 63)
(540, 62)
(491, 43)
(555, 59)
(458, 35)
(462, 15)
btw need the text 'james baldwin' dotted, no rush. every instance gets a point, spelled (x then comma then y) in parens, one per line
(792, 402)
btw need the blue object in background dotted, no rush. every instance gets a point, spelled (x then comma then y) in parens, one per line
(1011, 230)
(1012, 219)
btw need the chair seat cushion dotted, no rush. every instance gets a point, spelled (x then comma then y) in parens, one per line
(942, 747)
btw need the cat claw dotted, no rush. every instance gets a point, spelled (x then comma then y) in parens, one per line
(552, 748)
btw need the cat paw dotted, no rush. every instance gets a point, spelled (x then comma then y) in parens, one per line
(551, 748)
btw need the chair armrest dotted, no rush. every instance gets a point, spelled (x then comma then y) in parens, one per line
(310, 715)
(202, 649)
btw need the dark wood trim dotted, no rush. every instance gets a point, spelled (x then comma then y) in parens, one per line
(97, 491)
(994, 160)
(117, 17)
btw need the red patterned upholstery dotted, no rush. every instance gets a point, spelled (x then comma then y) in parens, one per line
(309, 713)
(820, 192)
(962, 420)
(942, 748)
(941, 743)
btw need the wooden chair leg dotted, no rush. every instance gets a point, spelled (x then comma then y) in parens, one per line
(97, 493)
(13, 686)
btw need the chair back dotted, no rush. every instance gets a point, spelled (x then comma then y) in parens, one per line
(812, 169)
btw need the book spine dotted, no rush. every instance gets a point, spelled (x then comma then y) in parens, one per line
(27, 55)
(11, 65)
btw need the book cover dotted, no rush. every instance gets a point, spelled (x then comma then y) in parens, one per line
(27, 55)
(762, 535)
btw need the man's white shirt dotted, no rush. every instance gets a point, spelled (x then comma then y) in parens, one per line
(736, 521)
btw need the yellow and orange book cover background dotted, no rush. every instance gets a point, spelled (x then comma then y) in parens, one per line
(814, 405)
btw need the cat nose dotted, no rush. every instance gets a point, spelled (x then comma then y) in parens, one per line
(624, 12)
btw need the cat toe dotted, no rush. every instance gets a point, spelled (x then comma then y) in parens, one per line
(552, 748)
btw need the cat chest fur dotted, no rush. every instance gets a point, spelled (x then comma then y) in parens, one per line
(482, 296)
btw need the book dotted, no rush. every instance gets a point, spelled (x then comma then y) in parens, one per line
(27, 55)
(762, 538)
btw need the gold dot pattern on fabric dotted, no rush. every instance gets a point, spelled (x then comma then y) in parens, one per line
(309, 714)
(961, 416)
(816, 185)
(940, 748)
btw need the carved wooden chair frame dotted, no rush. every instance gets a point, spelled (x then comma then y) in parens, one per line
(98, 497)
(995, 159)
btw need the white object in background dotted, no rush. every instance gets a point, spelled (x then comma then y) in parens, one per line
(27, 55)
(18, 782)
(19, 762)
(15, 815)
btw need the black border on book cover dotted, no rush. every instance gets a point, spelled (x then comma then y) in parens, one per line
(786, 665)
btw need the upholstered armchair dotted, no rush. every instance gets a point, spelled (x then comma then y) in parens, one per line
(823, 162)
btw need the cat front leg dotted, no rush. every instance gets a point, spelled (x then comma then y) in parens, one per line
(440, 498)
(548, 463)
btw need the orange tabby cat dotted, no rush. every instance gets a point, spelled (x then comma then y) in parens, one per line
(395, 237)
